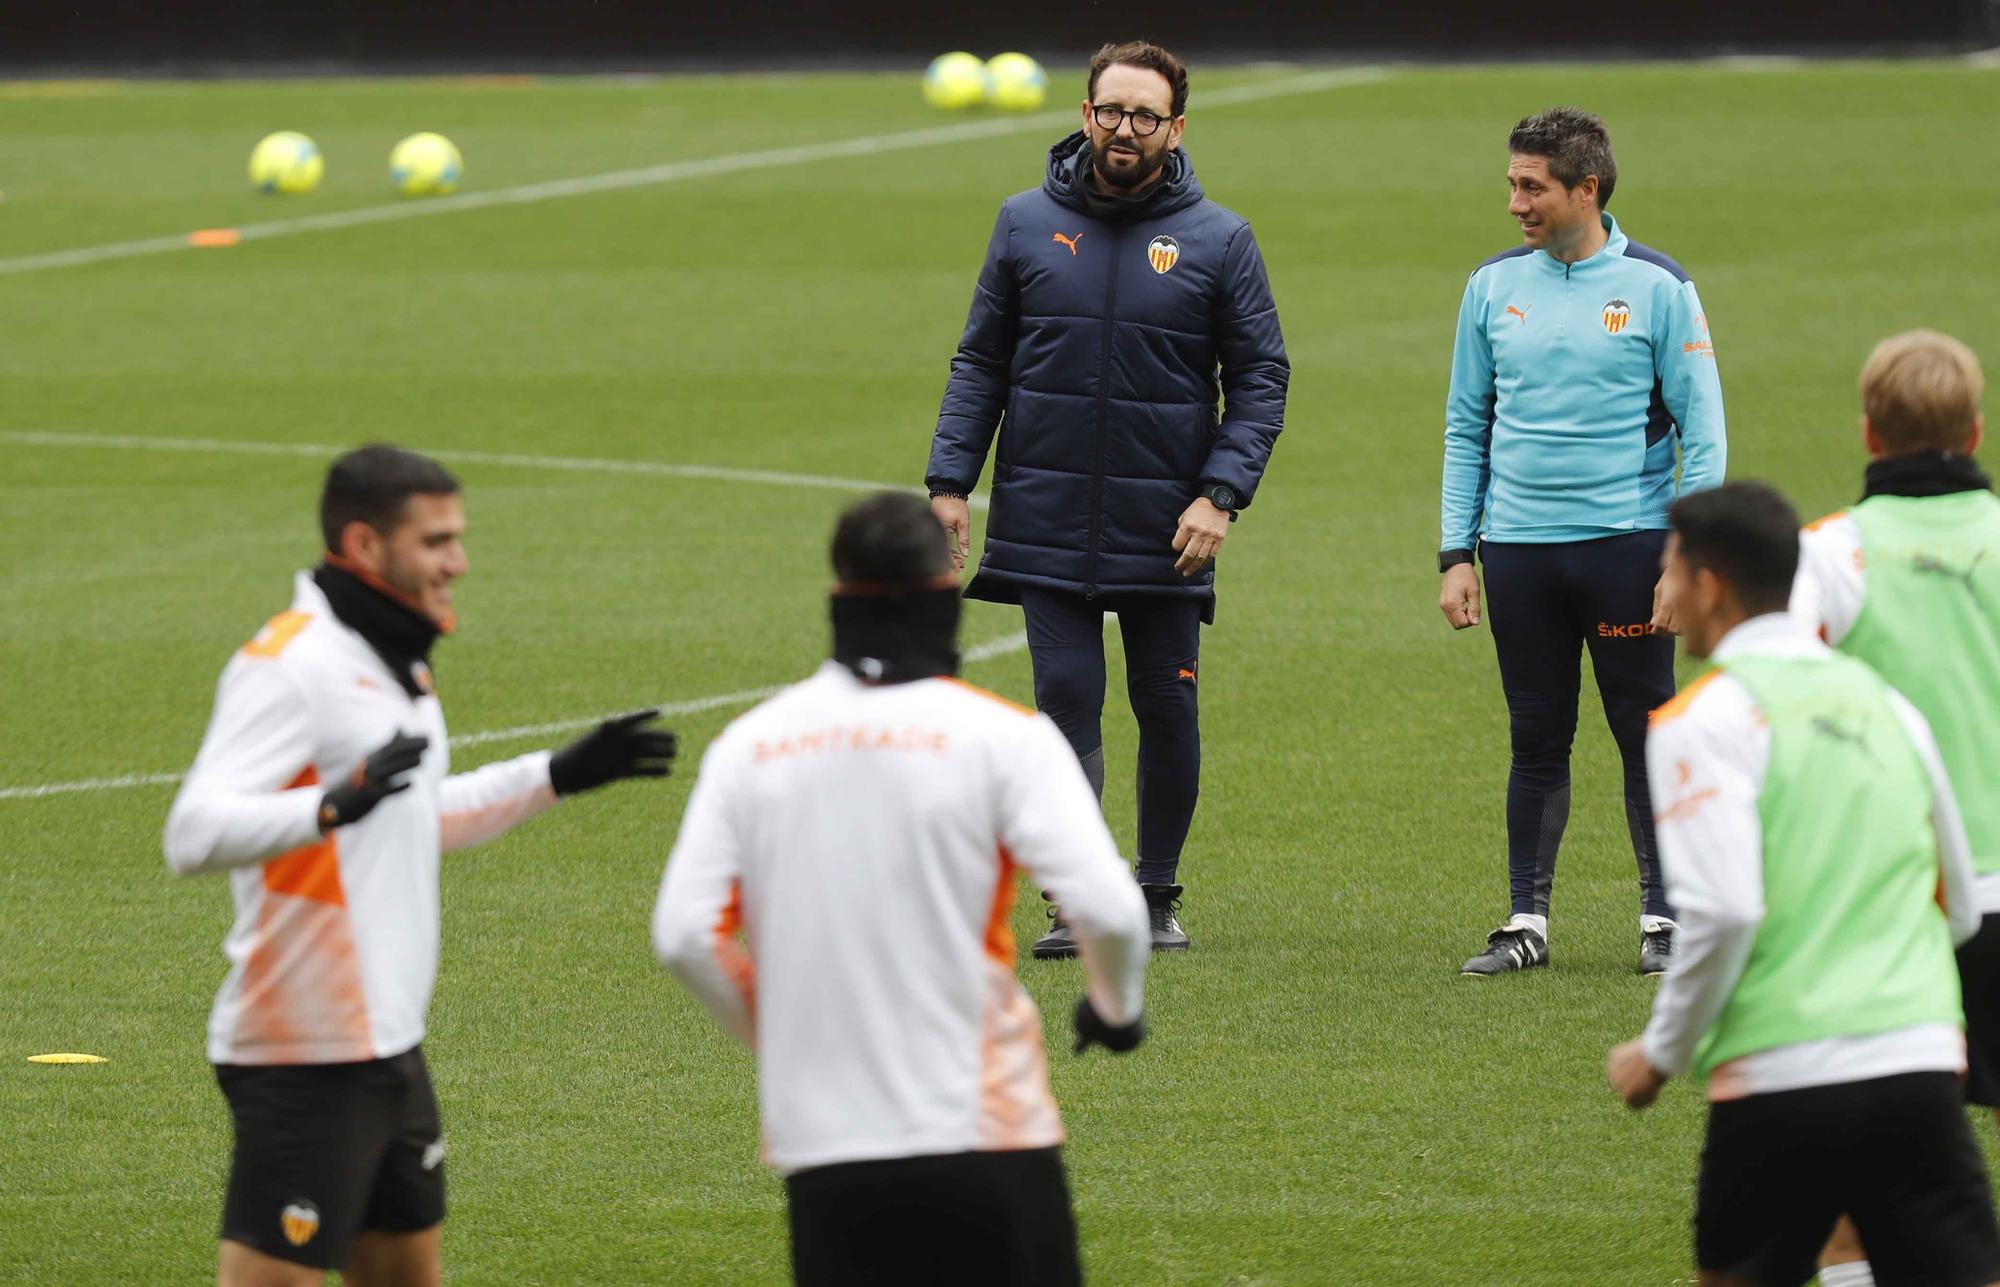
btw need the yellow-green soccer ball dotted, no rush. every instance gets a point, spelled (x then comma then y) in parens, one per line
(1018, 82)
(955, 82)
(286, 162)
(425, 165)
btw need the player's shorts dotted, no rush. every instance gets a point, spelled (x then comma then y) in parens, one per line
(324, 1151)
(1979, 980)
(1895, 1153)
(969, 1219)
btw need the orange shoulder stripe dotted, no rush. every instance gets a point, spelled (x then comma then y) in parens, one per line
(1818, 523)
(277, 634)
(989, 696)
(1677, 704)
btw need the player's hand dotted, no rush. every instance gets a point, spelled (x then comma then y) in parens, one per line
(1092, 1030)
(1202, 530)
(1632, 1075)
(1666, 619)
(617, 748)
(956, 515)
(1458, 598)
(385, 772)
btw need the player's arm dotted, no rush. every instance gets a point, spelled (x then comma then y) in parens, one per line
(1255, 372)
(477, 806)
(975, 396)
(1832, 578)
(700, 912)
(1468, 438)
(1684, 362)
(1705, 769)
(1956, 876)
(1051, 823)
(248, 797)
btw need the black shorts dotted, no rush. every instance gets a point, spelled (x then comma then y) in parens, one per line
(970, 1219)
(1894, 1153)
(324, 1151)
(1979, 980)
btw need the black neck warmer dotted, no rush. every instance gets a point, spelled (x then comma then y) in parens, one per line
(892, 636)
(400, 635)
(1926, 473)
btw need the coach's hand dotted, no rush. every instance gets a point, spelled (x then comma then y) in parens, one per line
(617, 748)
(1092, 1030)
(956, 515)
(1665, 619)
(1632, 1075)
(385, 772)
(1459, 597)
(1202, 529)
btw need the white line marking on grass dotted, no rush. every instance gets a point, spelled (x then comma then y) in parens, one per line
(507, 460)
(1001, 647)
(670, 172)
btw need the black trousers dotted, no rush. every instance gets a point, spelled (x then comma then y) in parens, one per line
(1162, 636)
(1546, 604)
(969, 1219)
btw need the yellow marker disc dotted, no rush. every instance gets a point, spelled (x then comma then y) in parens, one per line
(67, 1059)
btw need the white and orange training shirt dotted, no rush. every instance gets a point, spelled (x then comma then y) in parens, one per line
(865, 839)
(335, 947)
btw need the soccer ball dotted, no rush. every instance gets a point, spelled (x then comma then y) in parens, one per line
(286, 162)
(955, 82)
(425, 165)
(1018, 82)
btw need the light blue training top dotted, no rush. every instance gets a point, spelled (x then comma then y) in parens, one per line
(1570, 386)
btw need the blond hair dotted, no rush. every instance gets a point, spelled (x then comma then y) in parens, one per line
(1920, 391)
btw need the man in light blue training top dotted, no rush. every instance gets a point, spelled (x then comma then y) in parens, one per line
(1584, 400)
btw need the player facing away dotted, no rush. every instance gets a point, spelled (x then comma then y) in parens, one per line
(903, 1085)
(1122, 362)
(323, 787)
(1908, 580)
(1583, 399)
(1809, 834)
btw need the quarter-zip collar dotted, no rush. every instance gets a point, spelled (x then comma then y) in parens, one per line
(1613, 248)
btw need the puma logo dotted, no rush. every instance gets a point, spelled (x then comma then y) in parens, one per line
(1070, 242)
(1931, 565)
(1521, 313)
(1186, 674)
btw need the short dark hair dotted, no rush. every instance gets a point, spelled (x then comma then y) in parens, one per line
(890, 539)
(1747, 534)
(372, 484)
(1576, 144)
(1140, 53)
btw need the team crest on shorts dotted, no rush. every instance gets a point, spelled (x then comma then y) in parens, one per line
(1162, 253)
(1616, 314)
(300, 1222)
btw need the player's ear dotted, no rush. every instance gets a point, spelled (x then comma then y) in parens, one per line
(1871, 441)
(1978, 434)
(361, 543)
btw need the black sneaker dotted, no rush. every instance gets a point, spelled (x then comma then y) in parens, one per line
(1656, 950)
(1058, 944)
(1509, 948)
(1162, 901)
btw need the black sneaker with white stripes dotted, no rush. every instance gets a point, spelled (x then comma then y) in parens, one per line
(1656, 950)
(1509, 948)
(1059, 944)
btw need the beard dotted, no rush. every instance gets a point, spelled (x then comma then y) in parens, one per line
(1125, 173)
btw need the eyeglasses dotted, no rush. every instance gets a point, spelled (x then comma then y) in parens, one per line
(1109, 116)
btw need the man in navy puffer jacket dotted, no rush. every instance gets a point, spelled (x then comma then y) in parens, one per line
(1117, 307)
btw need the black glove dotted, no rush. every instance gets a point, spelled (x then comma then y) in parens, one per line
(385, 772)
(617, 748)
(1092, 1030)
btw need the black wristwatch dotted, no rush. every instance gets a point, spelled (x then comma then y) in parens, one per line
(1223, 497)
(1449, 559)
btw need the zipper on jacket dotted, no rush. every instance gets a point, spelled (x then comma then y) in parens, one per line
(1103, 411)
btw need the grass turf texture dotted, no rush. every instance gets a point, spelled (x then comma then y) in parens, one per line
(1324, 1098)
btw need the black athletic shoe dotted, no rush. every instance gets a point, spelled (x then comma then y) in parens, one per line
(1656, 950)
(1058, 944)
(1508, 949)
(1162, 901)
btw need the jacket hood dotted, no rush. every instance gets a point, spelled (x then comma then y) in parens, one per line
(1067, 179)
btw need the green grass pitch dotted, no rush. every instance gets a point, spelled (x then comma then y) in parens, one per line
(1324, 1099)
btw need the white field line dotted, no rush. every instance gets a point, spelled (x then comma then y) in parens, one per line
(670, 172)
(1001, 647)
(563, 464)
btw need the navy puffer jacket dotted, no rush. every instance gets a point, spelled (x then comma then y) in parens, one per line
(1099, 344)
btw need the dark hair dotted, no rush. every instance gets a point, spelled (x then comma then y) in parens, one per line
(1576, 144)
(371, 485)
(890, 539)
(1140, 53)
(1745, 533)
